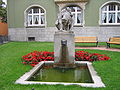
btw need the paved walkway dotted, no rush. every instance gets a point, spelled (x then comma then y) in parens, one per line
(99, 48)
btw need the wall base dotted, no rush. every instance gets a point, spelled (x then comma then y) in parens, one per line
(47, 34)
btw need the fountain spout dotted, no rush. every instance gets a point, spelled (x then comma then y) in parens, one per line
(64, 57)
(64, 42)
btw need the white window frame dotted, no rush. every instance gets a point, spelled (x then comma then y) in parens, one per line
(107, 13)
(26, 14)
(76, 13)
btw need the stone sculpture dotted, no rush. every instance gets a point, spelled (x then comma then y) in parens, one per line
(64, 46)
(65, 20)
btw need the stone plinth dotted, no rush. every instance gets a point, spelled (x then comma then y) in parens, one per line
(58, 37)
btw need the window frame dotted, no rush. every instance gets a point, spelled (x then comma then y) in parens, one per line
(108, 11)
(26, 14)
(76, 13)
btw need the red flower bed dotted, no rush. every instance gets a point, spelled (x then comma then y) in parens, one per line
(35, 57)
(85, 56)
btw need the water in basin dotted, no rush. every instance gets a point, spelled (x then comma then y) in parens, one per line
(47, 73)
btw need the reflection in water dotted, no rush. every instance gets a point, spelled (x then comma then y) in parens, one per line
(48, 73)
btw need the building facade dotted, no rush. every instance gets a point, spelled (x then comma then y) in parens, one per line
(34, 20)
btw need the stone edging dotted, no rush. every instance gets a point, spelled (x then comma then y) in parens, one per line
(96, 79)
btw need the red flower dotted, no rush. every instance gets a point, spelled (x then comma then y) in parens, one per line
(87, 58)
(32, 65)
(24, 62)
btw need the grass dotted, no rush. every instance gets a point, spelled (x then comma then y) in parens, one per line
(100, 44)
(11, 67)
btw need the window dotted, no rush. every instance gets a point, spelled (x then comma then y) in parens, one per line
(77, 15)
(31, 38)
(110, 14)
(35, 17)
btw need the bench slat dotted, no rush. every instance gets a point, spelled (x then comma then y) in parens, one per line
(86, 40)
(115, 40)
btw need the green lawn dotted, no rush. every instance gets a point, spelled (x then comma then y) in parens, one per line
(11, 67)
(100, 44)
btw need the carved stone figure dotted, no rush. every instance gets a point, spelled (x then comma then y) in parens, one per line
(65, 20)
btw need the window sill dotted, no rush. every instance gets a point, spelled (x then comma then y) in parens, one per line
(109, 24)
(78, 26)
(35, 27)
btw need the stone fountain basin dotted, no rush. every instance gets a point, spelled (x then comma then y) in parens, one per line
(97, 82)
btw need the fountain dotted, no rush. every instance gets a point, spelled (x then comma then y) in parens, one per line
(64, 46)
(64, 69)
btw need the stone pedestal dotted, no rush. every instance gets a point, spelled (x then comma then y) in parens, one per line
(58, 37)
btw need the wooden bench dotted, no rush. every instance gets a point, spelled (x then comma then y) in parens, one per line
(113, 40)
(86, 40)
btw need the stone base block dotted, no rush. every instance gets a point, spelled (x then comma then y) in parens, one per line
(69, 37)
